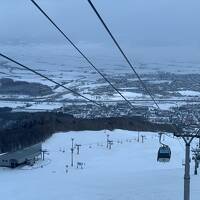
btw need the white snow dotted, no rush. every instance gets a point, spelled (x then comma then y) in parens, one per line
(166, 106)
(13, 104)
(45, 106)
(129, 171)
(128, 95)
(21, 106)
(189, 93)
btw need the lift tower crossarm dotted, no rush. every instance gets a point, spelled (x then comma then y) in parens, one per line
(187, 137)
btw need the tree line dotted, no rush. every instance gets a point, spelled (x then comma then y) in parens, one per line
(30, 128)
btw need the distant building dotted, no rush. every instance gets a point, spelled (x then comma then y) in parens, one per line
(24, 156)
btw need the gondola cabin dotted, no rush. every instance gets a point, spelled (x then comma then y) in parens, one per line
(164, 154)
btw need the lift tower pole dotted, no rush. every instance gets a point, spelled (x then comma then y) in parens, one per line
(72, 153)
(187, 136)
(187, 141)
(107, 140)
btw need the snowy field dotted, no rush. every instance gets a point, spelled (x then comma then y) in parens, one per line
(64, 65)
(189, 93)
(129, 171)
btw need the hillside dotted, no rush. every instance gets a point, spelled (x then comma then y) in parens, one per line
(116, 174)
(25, 129)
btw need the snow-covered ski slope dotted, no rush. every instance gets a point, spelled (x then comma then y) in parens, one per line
(129, 171)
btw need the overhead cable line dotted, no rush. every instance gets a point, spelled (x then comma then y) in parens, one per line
(125, 57)
(80, 52)
(122, 52)
(49, 79)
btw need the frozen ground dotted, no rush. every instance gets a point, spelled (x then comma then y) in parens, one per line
(129, 171)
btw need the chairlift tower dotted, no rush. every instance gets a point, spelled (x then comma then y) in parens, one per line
(138, 137)
(187, 137)
(43, 152)
(107, 141)
(78, 148)
(143, 137)
(72, 153)
(110, 143)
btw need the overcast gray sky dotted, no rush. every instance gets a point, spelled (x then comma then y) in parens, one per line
(136, 23)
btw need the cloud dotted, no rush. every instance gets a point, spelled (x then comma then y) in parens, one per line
(136, 23)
